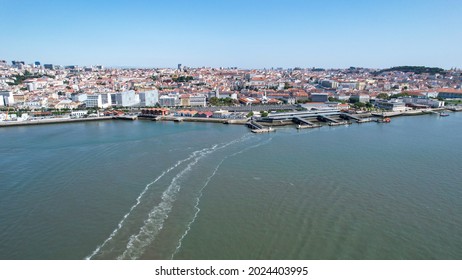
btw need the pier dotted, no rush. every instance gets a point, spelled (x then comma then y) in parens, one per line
(258, 128)
(327, 119)
(347, 116)
(302, 123)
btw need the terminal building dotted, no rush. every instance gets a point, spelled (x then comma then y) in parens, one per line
(449, 93)
(394, 105)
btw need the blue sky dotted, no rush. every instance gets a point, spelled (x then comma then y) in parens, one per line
(242, 33)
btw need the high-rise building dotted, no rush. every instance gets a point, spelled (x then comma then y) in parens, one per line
(17, 64)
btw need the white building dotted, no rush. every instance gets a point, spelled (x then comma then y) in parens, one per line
(197, 100)
(394, 105)
(79, 97)
(170, 100)
(78, 114)
(221, 114)
(423, 101)
(149, 98)
(100, 100)
(125, 99)
(6, 98)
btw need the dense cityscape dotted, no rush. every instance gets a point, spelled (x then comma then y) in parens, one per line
(41, 90)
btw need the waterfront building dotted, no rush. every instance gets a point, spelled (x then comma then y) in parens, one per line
(155, 111)
(184, 100)
(148, 98)
(36, 103)
(449, 93)
(78, 114)
(170, 100)
(221, 114)
(423, 101)
(125, 99)
(197, 100)
(395, 105)
(100, 100)
(6, 98)
(206, 114)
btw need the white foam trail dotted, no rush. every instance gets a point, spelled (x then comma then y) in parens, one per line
(196, 206)
(155, 221)
(138, 200)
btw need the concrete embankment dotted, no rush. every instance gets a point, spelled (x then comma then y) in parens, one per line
(51, 121)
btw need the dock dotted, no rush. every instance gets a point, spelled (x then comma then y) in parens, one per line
(347, 116)
(303, 123)
(328, 119)
(258, 128)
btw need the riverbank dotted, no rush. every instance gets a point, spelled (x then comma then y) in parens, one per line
(198, 119)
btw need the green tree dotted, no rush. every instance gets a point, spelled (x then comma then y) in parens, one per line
(382, 95)
(264, 114)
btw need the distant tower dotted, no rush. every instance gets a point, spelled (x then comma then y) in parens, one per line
(180, 67)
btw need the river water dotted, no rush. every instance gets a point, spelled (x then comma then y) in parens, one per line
(147, 190)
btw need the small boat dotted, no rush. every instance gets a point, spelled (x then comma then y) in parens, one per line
(444, 114)
(384, 120)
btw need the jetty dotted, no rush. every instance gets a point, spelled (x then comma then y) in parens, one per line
(258, 128)
(303, 123)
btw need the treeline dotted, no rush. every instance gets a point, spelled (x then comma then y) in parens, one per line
(414, 69)
(182, 79)
(19, 79)
(215, 101)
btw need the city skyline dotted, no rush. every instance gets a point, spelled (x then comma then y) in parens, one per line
(244, 34)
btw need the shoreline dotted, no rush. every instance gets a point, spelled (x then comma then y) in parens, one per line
(190, 119)
(51, 121)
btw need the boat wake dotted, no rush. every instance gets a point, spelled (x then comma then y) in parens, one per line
(138, 201)
(137, 243)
